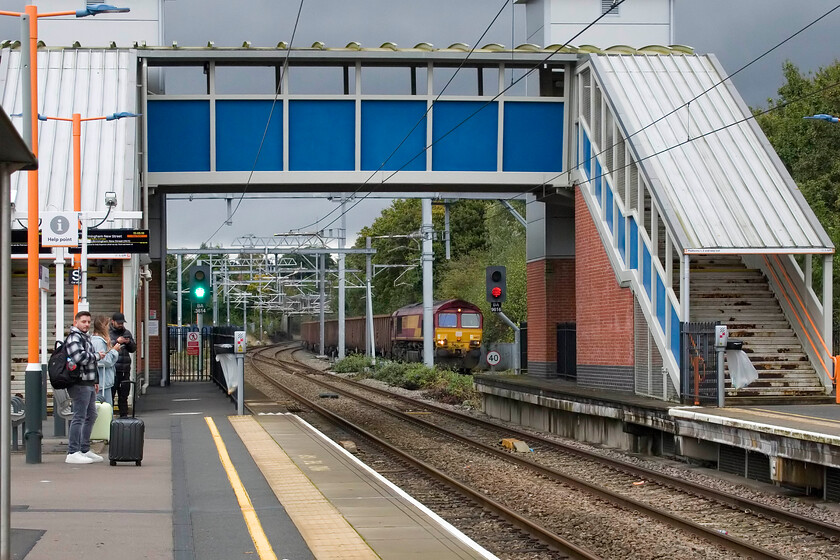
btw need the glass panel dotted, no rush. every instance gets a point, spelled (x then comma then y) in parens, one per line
(448, 320)
(608, 205)
(622, 235)
(646, 269)
(661, 304)
(322, 80)
(246, 79)
(470, 320)
(383, 80)
(634, 244)
(185, 80)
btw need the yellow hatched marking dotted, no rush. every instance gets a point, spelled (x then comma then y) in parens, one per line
(252, 521)
(324, 529)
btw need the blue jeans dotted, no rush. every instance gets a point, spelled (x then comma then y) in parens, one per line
(84, 415)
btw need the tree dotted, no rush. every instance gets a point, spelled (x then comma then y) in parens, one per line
(810, 149)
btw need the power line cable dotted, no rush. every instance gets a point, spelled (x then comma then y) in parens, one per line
(615, 4)
(420, 120)
(684, 142)
(491, 100)
(283, 70)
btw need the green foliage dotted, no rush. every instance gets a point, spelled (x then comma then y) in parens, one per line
(395, 236)
(464, 277)
(809, 148)
(441, 384)
(352, 363)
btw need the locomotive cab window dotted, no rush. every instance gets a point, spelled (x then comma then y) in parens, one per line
(399, 325)
(448, 320)
(470, 320)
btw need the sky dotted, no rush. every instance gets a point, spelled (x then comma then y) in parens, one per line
(735, 31)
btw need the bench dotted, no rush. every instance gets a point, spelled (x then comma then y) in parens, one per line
(18, 416)
(62, 405)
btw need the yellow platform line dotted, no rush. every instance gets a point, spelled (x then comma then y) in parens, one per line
(326, 532)
(252, 521)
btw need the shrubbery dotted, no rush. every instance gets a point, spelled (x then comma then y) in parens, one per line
(352, 363)
(441, 384)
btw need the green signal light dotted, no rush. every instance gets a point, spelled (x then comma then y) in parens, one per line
(199, 292)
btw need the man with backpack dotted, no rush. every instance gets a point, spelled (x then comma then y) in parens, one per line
(122, 384)
(80, 354)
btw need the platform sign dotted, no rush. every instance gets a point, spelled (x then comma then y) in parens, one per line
(239, 342)
(44, 278)
(493, 358)
(75, 277)
(192, 343)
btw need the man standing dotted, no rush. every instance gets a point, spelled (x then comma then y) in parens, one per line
(80, 354)
(122, 386)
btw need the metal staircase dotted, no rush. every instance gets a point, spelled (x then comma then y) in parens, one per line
(723, 289)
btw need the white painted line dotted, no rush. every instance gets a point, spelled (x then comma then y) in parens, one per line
(184, 400)
(442, 522)
(184, 413)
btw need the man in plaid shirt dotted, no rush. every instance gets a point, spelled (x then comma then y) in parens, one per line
(80, 354)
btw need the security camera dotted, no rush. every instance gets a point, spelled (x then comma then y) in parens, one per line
(110, 199)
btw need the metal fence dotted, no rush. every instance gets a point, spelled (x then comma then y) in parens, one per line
(192, 355)
(567, 351)
(698, 367)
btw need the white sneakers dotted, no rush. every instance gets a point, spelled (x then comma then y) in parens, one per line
(93, 456)
(79, 458)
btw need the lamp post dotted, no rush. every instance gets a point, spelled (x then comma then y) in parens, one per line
(29, 45)
(824, 117)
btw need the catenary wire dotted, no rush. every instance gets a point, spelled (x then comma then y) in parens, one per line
(420, 120)
(615, 4)
(283, 71)
(679, 144)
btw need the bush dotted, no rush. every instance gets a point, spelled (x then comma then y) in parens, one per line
(440, 384)
(353, 362)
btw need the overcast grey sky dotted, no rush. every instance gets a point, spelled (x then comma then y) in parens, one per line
(737, 31)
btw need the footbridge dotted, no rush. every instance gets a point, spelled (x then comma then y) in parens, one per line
(654, 199)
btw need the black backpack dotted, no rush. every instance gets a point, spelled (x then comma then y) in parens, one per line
(61, 376)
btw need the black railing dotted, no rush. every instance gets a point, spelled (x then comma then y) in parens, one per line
(567, 351)
(523, 346)
(698, 364)
(189, 354)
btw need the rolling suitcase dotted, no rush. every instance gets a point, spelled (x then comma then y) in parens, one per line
(102, 426)
(127, 436)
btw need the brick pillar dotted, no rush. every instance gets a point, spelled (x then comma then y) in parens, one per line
(551, 300)
(605, 326)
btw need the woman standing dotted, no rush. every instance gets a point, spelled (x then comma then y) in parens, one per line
(107, 372)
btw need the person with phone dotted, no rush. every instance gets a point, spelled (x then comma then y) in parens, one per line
(122, 383)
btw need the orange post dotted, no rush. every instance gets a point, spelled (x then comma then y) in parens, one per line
(32, 307)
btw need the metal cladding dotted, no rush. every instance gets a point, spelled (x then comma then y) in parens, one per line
(716, 176)
(93, 83)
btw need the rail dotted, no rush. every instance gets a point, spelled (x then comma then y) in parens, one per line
(788, 286)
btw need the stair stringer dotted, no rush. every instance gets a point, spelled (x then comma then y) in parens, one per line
(631, 278)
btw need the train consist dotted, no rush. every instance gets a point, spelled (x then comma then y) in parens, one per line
(457, 330)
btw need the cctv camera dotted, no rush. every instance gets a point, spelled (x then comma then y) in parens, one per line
(110, 199)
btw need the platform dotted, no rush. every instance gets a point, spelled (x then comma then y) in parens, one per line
(790, 444)
(215, 486)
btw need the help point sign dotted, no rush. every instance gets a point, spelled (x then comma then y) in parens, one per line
(59, 229)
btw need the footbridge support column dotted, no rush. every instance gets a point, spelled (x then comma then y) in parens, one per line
(550, 273)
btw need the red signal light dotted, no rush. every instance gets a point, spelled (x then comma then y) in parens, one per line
(496, 292)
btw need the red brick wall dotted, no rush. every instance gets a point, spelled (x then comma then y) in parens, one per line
(153, 351)
(604, 310)
(551, 300)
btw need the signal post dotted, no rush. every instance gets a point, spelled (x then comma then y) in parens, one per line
(496, 288)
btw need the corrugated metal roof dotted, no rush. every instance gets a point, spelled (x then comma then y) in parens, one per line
(91, 82)
(727, 190)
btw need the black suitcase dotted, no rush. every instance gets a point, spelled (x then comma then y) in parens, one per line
(126, 440)
(127, 435)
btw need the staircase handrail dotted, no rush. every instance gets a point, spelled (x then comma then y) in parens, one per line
(788, 286)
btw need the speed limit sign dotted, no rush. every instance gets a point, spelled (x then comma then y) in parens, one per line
(493, 358)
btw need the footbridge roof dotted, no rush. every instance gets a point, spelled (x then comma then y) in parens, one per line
(716, 177)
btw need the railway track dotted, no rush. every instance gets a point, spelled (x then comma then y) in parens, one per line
(751, 529)
(496, 527)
